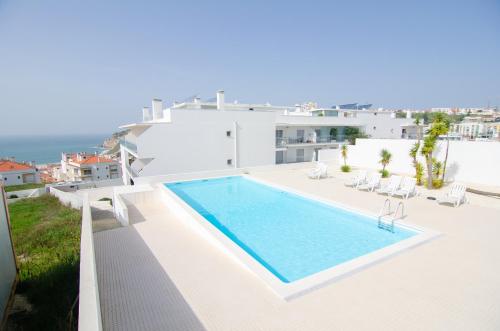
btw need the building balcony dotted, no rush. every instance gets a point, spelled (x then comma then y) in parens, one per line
(129, 145)
(321, 140)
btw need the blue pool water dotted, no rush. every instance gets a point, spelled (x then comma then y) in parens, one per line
(292, 236)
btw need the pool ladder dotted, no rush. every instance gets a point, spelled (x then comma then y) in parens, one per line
(388, 224)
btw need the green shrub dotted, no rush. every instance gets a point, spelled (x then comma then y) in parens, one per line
(13, 196)
(436, 183)
(419, 168)
(385, 173)
(345, 168)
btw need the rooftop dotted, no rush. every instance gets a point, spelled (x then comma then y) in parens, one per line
(83, 158)
(8, 165)
(158, 273)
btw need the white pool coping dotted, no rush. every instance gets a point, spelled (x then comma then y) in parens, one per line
(289, 291)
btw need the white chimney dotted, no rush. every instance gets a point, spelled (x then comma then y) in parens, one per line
(157, 106)
(220, 100)
(298, 108)
(146, 114)
(408, 114)
(197, 100)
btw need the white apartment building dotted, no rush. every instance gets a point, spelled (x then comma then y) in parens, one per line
(465, 110)
(86, 167)
(477, 128)
(16, 173)
(200, 136)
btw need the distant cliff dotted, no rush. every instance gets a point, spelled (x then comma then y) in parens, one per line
(114, 140)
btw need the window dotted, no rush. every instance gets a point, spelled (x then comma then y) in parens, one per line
(300, 136)
(228, 133)
(374, 128)
(392, 130)
(5, 178)
(300, 155)
(279, 157)
(18, 177)
(229, 161)
(375, 114)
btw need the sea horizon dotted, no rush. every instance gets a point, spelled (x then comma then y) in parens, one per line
(45, 148)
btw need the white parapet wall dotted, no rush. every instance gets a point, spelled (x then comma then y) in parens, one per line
(67, 198)
(472, 162)
(8, 268)
(89, 310)
(31, 193)
(124, 194)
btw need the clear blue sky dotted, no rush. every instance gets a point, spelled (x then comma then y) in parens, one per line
(89, 66)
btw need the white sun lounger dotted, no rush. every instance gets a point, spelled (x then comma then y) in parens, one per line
(357, 180)
(320, 171)
(391, 187)
(407, 188)
(455, 196)
(372, 182)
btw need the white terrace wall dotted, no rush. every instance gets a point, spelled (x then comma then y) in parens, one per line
(468, 161)
(67, 198)
(31, 193)
(8, 269)
(89, 310)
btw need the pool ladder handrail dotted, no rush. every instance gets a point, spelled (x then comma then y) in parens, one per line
(386, 225)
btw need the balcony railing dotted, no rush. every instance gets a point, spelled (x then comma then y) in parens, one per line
(282, 142)
(130, 145)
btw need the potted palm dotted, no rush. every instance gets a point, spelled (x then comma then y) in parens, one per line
(385, 158)
(343, 152)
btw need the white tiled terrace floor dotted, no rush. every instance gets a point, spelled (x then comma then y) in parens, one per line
(159, 274)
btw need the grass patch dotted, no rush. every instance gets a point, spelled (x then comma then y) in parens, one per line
(46, 237)
(21, 187)
(345, 168)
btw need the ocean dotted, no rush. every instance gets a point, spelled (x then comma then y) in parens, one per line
(48, 149)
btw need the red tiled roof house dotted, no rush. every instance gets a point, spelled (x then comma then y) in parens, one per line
(88, 167)
(16, 173)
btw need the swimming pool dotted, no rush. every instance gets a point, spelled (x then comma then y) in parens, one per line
(292, 236)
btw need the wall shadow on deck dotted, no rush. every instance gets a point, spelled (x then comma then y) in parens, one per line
(135, 292)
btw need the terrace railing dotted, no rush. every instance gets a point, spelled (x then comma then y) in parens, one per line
(128, 144)
(282, 142)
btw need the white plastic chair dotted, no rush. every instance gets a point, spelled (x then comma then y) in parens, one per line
(357, 180)
(455, 196)
(391, 187)
(407, 188)
(372, 182)
(320, 171)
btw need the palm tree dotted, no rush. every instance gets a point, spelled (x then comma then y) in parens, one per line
(413, 153)
(343, 152)
(426, 151)
(385, 158)
(447, 148)
(438, 128)
(417, 123)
